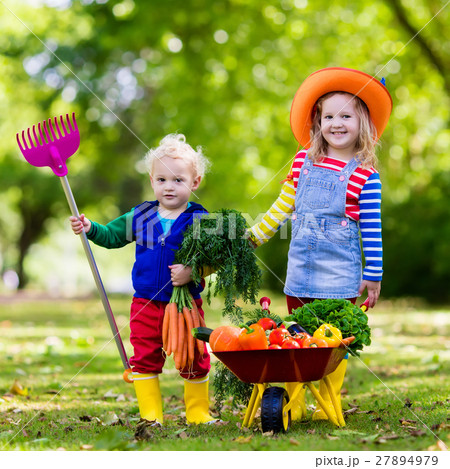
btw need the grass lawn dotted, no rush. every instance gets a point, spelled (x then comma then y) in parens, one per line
(61, 386)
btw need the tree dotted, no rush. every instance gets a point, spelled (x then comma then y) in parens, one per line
(223, 73)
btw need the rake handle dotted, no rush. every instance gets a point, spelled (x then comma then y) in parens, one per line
(98, 281)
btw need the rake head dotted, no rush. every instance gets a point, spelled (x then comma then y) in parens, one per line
(50, 148)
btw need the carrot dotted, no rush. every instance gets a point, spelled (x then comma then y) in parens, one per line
(185, 347)
(173, 325)
(191, 339)
(195, 314)
(181, 329)
(196, 319)
(165, 328)
(347, 341)
(168, 347)
(202, 320)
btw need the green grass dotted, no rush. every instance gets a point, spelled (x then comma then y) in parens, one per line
(395, 397)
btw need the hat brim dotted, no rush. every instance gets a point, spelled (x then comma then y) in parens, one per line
(369, 89)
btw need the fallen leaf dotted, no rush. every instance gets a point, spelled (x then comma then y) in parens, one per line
(85, 418)
(385, 438)
(408, 402)
(407, 421)
(17, 389)
(417, 432)
(311, 431)
(183, 435)
(353, 410)
(293, 442)
(86, 447)
(243, 439)
(110, 419)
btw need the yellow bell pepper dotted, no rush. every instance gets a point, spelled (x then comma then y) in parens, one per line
(332, 335)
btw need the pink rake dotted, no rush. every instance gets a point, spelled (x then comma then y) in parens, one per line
(52, 149)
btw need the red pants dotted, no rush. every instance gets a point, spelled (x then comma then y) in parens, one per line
(146, 338)
(293, 302)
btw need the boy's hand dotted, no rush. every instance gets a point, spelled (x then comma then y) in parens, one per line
(81, 224)
(373, 291)
(180, 274)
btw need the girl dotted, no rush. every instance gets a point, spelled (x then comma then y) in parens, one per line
(175, 171)
(333, 192)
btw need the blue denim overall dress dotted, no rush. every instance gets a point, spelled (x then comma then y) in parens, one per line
(324, 258)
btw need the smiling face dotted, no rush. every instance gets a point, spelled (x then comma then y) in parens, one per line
(340, 125)
(173, 180)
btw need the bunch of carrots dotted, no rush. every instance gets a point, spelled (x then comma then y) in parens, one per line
(180, 317)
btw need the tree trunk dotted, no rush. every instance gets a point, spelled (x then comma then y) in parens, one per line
(33, 219)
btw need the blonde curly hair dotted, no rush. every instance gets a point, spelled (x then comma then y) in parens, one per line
(175, 146)
(367, 139)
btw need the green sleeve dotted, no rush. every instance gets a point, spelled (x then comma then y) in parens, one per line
(115, 234)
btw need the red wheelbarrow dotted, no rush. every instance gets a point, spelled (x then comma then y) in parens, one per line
(302, 366)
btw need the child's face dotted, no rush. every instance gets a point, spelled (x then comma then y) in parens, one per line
(173, 181)
(340, 125)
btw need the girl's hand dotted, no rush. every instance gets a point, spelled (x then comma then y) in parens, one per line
(180, 274)
(373, 291)
(80, 224)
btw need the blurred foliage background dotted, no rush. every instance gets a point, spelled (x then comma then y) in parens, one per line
(224, 73)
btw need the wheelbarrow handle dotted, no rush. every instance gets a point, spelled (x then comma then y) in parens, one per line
(96, 274)
(365, 306)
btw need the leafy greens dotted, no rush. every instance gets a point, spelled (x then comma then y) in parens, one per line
(343, 314)
(217, 241)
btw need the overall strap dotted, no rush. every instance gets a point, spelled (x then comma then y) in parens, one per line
(350, 167)
(307, 162)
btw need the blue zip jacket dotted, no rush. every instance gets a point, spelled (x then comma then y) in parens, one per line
(155, 251)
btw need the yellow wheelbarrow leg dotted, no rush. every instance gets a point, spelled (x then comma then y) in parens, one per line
(336, 404)
(298, 387)
(322, 404)
(254, 403)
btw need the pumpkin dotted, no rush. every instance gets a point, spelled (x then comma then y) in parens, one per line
(225, 339)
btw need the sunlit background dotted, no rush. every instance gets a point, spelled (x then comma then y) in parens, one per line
(223, 73)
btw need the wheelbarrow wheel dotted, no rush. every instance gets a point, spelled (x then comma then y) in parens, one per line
(273, 417)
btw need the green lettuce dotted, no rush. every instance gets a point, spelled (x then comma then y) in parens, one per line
(343, 314)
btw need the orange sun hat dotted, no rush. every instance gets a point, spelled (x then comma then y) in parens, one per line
(373, 92)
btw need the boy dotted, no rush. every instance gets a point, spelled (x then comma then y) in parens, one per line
(175, 170)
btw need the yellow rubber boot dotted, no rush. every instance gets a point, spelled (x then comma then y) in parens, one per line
(196, 400)
(148, 395)
(298, 409)
(337, 380)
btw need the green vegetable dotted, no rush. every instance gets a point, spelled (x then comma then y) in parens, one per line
(202, 333)
(255, 315)
(344, 315)
(227, 385)
(217, 241)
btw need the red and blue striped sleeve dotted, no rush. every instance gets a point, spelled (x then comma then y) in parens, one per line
(370, 227)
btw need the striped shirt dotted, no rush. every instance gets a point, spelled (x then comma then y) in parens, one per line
(363, 205)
